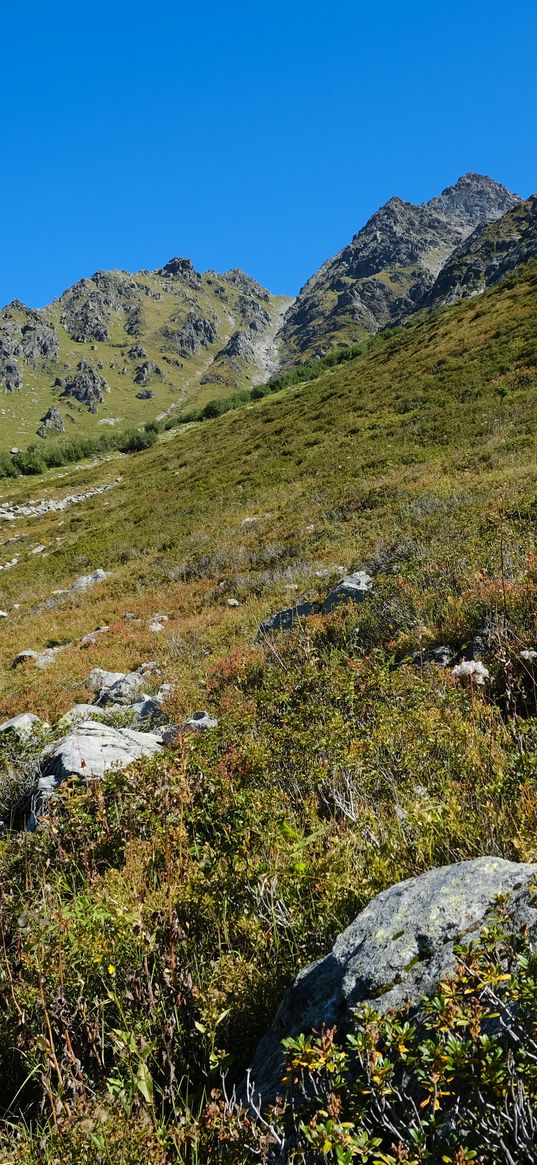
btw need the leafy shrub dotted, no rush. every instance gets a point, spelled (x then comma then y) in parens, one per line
(453, 1082)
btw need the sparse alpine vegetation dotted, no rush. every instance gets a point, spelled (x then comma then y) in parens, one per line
(154, 918)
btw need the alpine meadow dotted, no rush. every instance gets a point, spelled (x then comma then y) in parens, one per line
(268, 706)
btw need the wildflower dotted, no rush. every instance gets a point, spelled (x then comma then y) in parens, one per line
(472, 670)
(111, 969)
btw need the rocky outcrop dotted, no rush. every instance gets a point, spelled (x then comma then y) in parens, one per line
(85, 323)
(87, 387)
(388, 269)
(40, 659)
(24, 335)
(91, 749)
(10, 374)
(51, 423)
(352, 588)
(397, 950)
(38, 340)
(146, 371)
(490, 254)
(197, 332)
(183, 269)
(85, 581)
(239, 345)
(115, 687)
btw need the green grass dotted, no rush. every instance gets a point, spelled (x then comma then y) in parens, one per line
(20, 412)
(189, 876)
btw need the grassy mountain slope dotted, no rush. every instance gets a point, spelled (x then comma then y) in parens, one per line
(165, 333)
(139, 927)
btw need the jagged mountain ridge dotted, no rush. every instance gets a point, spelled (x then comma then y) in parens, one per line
(121, 349)
(132, 347)
(491, 253)
(386, 271)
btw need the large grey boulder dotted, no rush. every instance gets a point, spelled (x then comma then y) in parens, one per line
(90, 749)
(396, 950)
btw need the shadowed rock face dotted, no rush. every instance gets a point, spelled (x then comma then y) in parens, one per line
(389, 267)
(10, 374)
(491, 253)
(397, 950)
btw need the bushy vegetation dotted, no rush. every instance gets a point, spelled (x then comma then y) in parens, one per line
(298, 374)
(38, 458)
(454, 1082)
(148, 932)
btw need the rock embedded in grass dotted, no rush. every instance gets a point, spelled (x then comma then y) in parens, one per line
(24, 725)
(90, 749)
(398, 949)
(351, 588)
(85, 581)
(201, 722)
(114, 687)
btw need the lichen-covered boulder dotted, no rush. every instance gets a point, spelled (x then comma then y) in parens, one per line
(397, 950)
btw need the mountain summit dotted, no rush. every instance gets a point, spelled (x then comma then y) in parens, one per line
(125, 350)
(389, 267)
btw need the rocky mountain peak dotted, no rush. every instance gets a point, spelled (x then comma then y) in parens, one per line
(180, 268)
(388, 269)
(472, 200)
(489, 254)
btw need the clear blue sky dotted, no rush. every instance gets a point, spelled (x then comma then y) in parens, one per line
(253, 135)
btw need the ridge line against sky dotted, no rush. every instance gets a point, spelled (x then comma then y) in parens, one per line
(242, 139)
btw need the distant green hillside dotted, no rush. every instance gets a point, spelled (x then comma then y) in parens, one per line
(118, 350)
